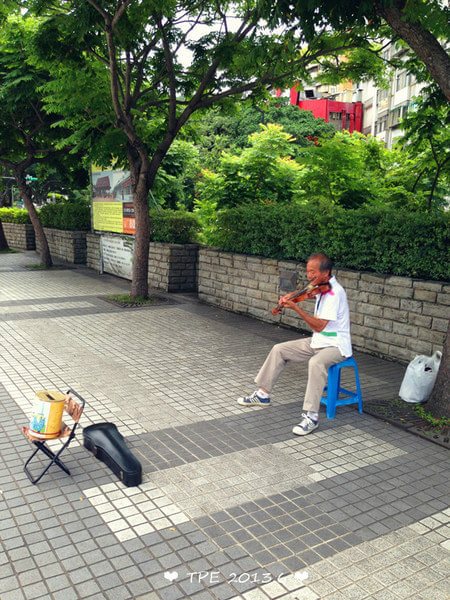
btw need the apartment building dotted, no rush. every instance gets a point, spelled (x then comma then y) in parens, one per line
(383, 108)
(362, 106)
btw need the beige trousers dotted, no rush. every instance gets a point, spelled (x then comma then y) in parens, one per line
(319, 359)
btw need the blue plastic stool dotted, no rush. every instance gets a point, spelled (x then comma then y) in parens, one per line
(338, 396)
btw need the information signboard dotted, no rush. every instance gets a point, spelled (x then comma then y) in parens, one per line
(112, 203)
(117, 255)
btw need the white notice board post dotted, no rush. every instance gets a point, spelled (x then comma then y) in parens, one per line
(117, 255)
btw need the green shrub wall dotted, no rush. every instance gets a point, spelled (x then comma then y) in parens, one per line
(174, 227)
(71, 216)
(74, 216)
(370, 239)
(14, 215)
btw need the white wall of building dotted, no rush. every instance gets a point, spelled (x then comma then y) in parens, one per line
(383, 109)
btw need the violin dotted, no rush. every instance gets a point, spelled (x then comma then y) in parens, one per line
(309, 292)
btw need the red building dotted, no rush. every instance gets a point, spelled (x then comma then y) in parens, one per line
(342, 115)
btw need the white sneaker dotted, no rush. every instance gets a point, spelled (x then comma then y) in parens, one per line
(253, 400)
(306, 425)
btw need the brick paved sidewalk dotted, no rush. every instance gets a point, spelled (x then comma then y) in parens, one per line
(232, 505)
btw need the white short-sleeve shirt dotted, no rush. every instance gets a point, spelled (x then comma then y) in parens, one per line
(333, 307)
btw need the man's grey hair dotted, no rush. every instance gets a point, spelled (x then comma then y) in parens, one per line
(325, 262)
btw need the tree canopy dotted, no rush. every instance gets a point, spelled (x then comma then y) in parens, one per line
(28, 136)
(233, 130)
(427, 137)
(162, 62)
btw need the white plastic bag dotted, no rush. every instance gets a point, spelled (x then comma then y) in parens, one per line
(420, 377)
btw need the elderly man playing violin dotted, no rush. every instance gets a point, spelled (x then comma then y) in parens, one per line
(330, 342)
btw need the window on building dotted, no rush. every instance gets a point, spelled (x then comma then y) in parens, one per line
(398, 114)
(382, 95)
(395, 117)
(401, 81)
(313, 69)
(335, 119)
(381, 125)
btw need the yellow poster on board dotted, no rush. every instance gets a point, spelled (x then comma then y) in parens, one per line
(108, 216)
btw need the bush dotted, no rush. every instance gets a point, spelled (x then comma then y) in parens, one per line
(170, 226)
(371, 238)
(14, 215)
(72, 216)
(262, 173)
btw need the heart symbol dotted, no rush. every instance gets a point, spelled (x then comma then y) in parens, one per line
(301, 576)
(171, 575)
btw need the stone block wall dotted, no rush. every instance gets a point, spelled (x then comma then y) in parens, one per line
(69, 246)
(93, 257)
(392, 317)
(173, 267)
(19, 236)
(397, 317)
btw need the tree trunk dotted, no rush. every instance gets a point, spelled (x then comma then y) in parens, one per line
(46, 259)
(424, 44)
(439, 402)
(139, 283)
(143, 173)
(3, 240)
(139, 166)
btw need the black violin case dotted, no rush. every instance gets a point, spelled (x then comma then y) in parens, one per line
(108, 445)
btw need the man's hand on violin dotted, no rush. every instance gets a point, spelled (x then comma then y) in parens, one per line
(315, 323)
(290, 304)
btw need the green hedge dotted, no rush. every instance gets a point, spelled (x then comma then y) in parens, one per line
(170, 226)
(372, 239)
(14, 215)
(72, 216)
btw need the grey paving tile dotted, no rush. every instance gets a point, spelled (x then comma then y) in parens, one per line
(35, 590)
(137, 588)
(13, 595)
(118, 593)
